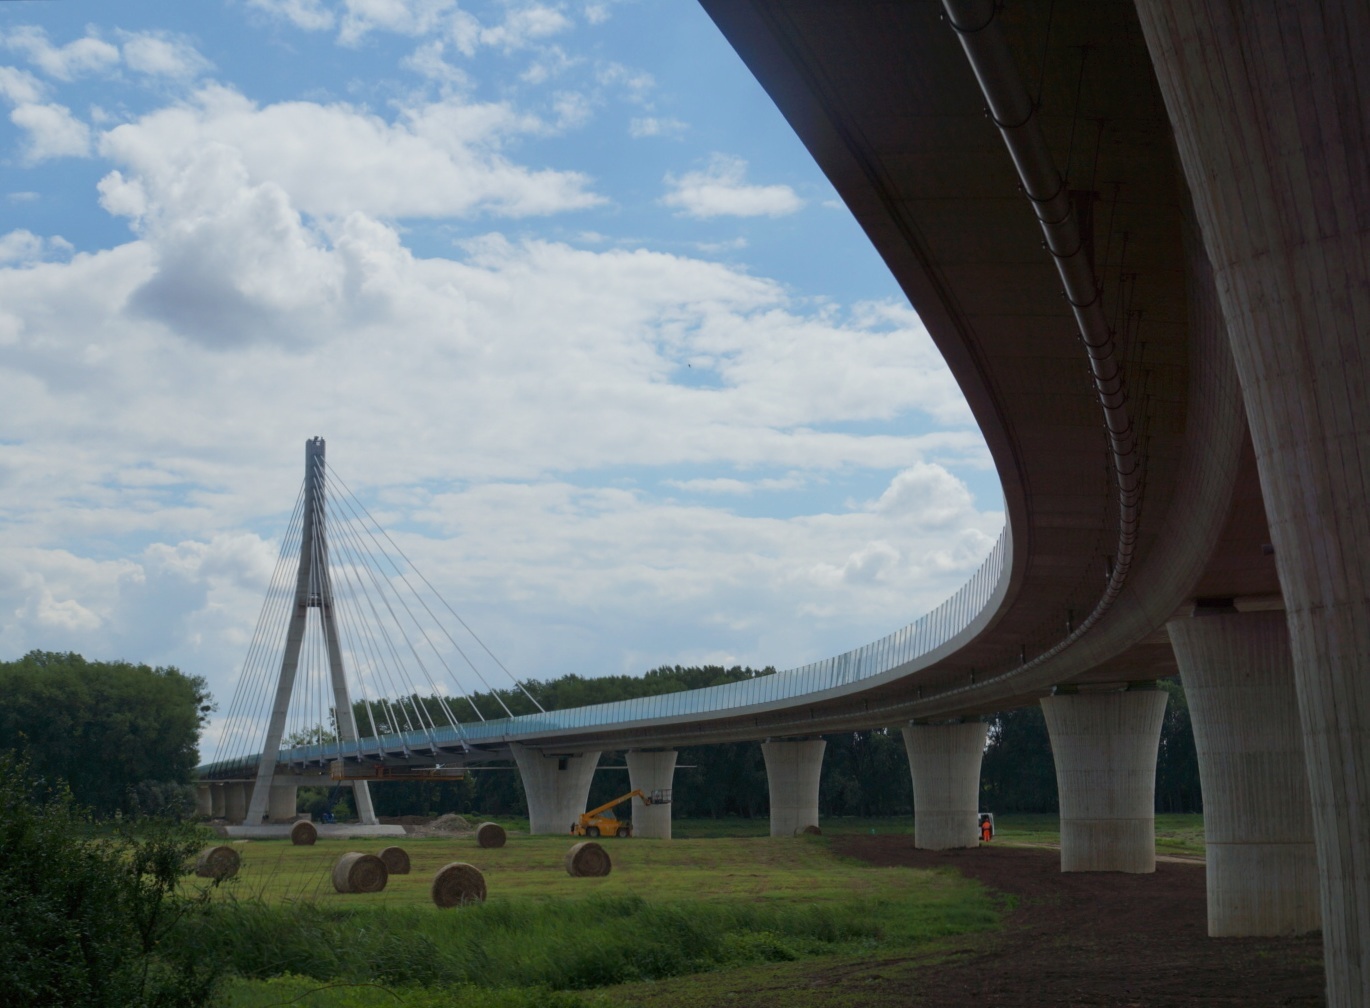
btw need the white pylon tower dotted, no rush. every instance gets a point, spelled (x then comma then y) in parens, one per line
(313, 590)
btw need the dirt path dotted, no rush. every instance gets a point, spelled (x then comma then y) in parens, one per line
(1103, 940)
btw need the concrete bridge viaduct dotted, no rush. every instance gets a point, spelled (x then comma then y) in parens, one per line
(1140, 235)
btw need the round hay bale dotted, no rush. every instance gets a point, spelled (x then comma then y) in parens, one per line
(810, 830)
(490, 834)
(356, 872)
(396, 860)
(217, 862)
(587, 860)
(458, 883)
(303, 833)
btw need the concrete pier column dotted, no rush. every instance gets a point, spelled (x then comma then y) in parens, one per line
(1238, 677)
(1269, 108)
(235, 801)
(282, 803)
(651, 770)
(204, 800)
(1104, 746)
(793, 768)
(361, 801)
(556, 787)
(944, 761)
(216, 800)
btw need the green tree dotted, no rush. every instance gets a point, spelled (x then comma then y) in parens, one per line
(1177, 761)
(83, 915)
(728, 779)
(1017, 773)
(866, 773)
(117, 733)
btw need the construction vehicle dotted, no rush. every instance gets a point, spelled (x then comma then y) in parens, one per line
(602, 822)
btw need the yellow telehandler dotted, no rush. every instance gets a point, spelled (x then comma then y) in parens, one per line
(602, 822)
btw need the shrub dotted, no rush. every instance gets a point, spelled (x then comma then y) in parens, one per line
(83, 914)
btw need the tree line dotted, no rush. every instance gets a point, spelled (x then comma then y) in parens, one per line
(123, 737)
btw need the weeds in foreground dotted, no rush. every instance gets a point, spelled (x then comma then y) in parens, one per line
(558, 945)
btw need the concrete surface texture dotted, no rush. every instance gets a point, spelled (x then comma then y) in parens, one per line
(1238, 677)
(235, 801)
(649, 770)
(1271, 114)
(944, 761)
(217, 803)
(793, 768)
(1104, 746)
(556, 786)
(281, 805)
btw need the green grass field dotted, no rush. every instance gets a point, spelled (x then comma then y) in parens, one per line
(757, 869)
(722, 899)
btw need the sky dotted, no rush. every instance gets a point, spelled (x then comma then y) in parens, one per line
(582, 323)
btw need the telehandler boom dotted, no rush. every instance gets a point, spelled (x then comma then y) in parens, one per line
(601, 822)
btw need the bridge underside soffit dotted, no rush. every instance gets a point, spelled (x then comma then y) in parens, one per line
(885, 99)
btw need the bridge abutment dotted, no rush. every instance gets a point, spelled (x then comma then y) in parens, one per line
(793, 769)
(1104, 746)
(944, 762)
(1258, 823)
(651, 770)
(556, 787)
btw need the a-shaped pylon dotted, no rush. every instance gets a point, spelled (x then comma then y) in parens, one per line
(313, 590)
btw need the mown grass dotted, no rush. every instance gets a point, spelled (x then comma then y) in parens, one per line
(721, 869)
(667, 909)
(1176, 833)
(1180, 833)
(723, 904)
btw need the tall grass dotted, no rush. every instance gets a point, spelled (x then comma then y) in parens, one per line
(561, 944)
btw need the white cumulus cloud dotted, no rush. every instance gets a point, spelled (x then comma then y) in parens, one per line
(721, 189)
(51, 131)
(23, 246)
(161, 55)
(436, 160)
(402, 17)
(155, 54)
(524, 25)
(88, 55)
(311, 15)
(19, 86)
(651, 126)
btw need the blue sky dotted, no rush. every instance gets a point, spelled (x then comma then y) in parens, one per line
(574, 309)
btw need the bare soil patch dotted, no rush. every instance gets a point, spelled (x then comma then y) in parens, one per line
(1087, 939)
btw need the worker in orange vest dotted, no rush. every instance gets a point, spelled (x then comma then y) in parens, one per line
(986, 829)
